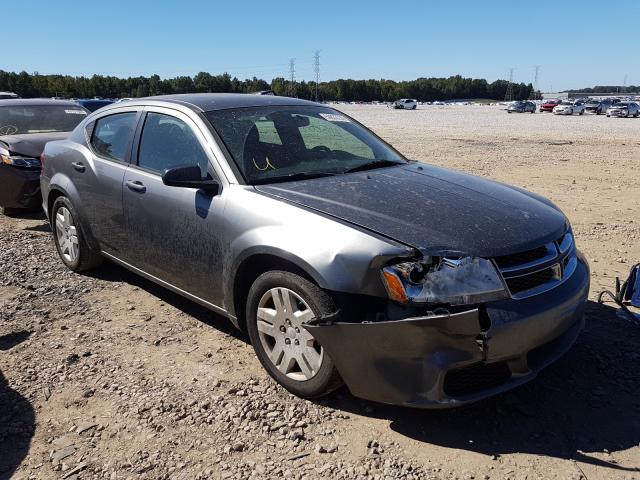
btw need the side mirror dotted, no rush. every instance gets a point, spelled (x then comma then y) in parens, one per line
(189, 176)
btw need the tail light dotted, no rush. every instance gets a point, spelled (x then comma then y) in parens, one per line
(42, 159)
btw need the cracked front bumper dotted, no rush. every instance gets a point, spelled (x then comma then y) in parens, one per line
(448, 360)
(20, 188)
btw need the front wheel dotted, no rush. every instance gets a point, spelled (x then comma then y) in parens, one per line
(278, 305)
(72, 247)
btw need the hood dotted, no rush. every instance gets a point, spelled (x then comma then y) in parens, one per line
(31, 144)
(435, 210)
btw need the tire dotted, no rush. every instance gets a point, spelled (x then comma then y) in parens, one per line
(77, 259)
(276, 284)
(582, 112)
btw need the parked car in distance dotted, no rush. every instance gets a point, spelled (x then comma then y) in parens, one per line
(405, 104)
(265, 92)
(568, 107)
(522, 107)
(93, 104)
(8, 95)
(599, 106)
(549, 105)
(624, 109)
(238, 202)
(25, 127)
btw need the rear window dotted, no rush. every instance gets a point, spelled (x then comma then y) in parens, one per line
(16, 119)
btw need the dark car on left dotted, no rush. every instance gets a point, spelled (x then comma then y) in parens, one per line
(522, 107)
(26, 125)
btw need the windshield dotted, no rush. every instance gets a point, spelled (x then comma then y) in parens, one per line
(621, 104)
(16, 119)
(278, 143)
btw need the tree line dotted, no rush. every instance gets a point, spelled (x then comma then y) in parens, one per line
(607, 89)
(423, 89)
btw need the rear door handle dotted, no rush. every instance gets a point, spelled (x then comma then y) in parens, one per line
(79, 166)
(136, 186)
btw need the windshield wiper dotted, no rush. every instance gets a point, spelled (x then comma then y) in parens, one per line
(292, 177)
(372, 165)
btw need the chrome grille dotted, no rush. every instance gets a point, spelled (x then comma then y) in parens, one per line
(538, 270)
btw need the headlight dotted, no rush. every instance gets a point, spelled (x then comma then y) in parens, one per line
(462, 281)
(19, 161)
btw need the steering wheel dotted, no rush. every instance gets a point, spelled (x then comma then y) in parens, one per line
(321, 150)
(8, 130)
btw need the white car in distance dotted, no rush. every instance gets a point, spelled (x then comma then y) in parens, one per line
(405, 104)
(567, 107)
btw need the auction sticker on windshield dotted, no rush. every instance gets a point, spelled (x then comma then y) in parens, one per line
(76, 112)
(334, 117)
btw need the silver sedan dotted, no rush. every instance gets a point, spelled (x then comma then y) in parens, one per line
(624, 109)
(341, 259)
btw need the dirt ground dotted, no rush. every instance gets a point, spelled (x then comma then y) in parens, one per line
(106, 375)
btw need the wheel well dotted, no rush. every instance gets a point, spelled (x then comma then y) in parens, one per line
(53, 194)
(249, 270)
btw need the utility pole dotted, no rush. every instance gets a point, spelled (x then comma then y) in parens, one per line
(508, 97)
(316, 69)
(624, 84)
(292, 77)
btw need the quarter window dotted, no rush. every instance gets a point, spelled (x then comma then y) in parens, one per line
(111, 135)
(168, 142)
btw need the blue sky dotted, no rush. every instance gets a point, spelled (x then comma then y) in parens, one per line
(576, 43)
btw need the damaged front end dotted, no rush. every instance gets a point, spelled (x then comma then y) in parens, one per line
(453, 331)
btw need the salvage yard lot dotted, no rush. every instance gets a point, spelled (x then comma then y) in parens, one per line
(108, 376)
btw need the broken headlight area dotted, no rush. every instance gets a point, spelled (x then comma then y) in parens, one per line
(453, 281)
(19, 161)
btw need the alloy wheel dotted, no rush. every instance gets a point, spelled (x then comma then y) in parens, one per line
(67, 235)
(290, 348)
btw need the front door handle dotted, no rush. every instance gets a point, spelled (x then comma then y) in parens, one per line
(136, 186)
(79, 166)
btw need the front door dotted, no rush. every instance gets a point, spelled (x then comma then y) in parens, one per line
(173, 232)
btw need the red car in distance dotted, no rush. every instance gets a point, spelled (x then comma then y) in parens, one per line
(549, 105)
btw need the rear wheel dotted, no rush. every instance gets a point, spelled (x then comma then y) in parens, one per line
(278, 305)
(72, 247)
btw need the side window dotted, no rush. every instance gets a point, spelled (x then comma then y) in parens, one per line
(319, 131)
(169, 142)
(111, 135)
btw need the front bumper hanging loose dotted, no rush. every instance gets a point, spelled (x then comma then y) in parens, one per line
(448, 360)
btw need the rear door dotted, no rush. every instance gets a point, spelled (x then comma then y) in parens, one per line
(99, 183)
(174, 233)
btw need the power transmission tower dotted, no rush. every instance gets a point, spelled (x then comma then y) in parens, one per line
(536, 91)
(316, 69)
(292, 77)
(508, 97)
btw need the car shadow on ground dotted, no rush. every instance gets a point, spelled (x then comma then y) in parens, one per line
(111, 272)
(26, 214)
(10, 340)
(589, 401)
(17, 418)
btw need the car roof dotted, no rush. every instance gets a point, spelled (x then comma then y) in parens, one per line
(205, 102)
(19, 102)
